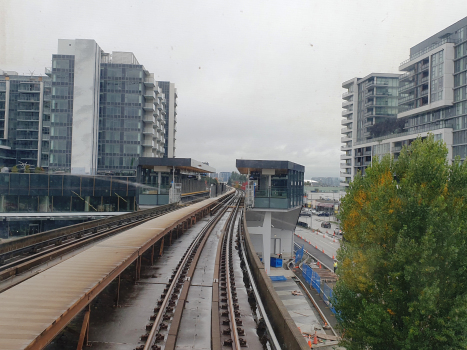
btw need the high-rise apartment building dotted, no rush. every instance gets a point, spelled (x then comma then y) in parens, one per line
(24, 119)
(106, 110)
(432, 99)
(93, 113)
(368, 101)
(170, 93)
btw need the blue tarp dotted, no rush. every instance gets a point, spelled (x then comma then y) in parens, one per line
(277, 278)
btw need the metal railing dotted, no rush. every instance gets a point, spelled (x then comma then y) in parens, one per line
(425, 128)
(429, 48)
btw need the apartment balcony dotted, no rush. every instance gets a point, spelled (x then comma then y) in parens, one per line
(149, 119)
(28, 89)
(347, 112)
(369, 113)
(149, 82)
(425, 66)
(148, 131)
(346, 148)
(345, 165)
(397, 148)
(147, 143)
(149, 94)
(407, 87)
(425, 80)
(48, 71)
(345, 156)
(346, 121)
(424, 93)
(369, 123)
(407, 75)
(424, 51)
(347, 94)
(406, 99)
(345, 183)
(29, 98)
(345, 174)
(346, 104)
(346, 130)
(346, 139)
(148, 106)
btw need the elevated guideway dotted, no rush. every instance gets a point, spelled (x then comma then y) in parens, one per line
(35, 311)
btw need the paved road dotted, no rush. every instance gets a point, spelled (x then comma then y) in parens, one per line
(329, 243)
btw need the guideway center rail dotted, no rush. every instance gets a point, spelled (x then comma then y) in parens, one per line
(33, 312)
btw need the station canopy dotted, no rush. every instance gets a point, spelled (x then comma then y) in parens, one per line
(185, 165)
(248, 166)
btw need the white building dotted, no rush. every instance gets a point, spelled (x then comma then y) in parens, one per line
(432, 98)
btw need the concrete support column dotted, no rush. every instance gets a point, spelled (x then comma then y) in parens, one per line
(159, 179)
(267, 242)
(86, 203)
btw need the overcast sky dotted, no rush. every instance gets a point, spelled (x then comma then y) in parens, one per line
(255, 79)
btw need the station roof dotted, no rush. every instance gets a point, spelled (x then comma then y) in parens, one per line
(184, 164)
(245, 166)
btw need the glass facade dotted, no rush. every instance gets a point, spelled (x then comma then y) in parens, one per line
(284, 191)
(165, 86)
(120, 117)
(66, 193)
(459, 123)
(61, 113)
(377, 101)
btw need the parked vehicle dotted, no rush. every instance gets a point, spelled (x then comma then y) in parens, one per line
(305, 213)
(326, 224)
(302, 224)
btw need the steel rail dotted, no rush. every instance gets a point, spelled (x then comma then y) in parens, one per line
(83, 238)
(20, 266)
(182, 265)
(28, 243)
(262, 310)
(229, 274)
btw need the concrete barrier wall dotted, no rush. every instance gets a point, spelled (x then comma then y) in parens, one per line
(285, 329)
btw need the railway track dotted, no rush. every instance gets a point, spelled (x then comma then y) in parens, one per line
(168, 323)
(18, 261)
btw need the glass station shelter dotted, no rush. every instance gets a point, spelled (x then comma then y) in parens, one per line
(274, 197)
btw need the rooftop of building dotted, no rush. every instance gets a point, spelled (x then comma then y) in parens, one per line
(246, 166)
(446, 32)
(184, 164)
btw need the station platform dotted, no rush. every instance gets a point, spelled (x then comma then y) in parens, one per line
(35, 311)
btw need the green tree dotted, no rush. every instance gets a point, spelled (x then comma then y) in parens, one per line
(402, 269)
